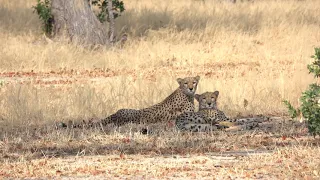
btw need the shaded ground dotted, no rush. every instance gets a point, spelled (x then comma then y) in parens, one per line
(296, 163)
(286, 151)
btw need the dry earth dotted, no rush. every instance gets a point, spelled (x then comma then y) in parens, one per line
(284, 151)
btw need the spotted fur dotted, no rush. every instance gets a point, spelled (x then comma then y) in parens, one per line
(209, 118)
(180, 101)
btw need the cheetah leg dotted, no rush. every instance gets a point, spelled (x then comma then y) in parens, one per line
(247, 123)
(196, 127)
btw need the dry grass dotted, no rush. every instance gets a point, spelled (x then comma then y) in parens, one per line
(125, 153)
(256, 51)
(294, 163)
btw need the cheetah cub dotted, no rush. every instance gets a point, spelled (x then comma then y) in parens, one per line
(209, 118)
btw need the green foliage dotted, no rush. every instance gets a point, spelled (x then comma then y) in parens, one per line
(311, 108)
(315, 66)
(103, 15)
(291, 110)
(310, 99)
(43, 9)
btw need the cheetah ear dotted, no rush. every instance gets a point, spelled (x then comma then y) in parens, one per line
(179, 80)
(216, 93)
(197, 78)
(197, 97)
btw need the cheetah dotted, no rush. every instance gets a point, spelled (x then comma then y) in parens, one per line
(209, 118)
(180, 101)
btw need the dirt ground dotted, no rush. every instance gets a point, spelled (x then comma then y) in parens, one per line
(285, 151)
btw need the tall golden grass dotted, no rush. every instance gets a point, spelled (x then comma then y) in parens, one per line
(256, 50)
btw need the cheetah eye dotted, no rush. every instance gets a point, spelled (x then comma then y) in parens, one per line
(194, 82)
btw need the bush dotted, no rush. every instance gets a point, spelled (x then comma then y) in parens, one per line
(103, 15)
(310, 107)
(43, 9)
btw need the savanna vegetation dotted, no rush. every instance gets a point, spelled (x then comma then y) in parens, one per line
(254, 52)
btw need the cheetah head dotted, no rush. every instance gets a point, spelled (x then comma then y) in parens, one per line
(207, 100)
(189, 85)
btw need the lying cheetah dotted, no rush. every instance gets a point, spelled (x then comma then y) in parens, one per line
(210, 118)
(180, 101)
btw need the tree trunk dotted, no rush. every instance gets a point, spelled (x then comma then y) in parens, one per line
(75, 19)
(112, 23)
